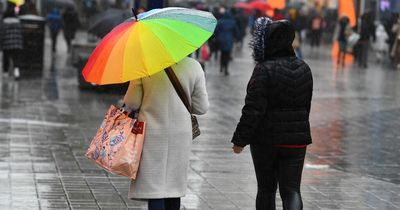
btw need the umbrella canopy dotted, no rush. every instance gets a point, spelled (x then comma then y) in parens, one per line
(102, 23)
(156, 40)
(17, 2)
(260, 5)
(243, 5)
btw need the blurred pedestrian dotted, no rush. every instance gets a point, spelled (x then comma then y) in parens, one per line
(252, 19)
(298, 27)
(226, 32)
(395, 53)
(297, 45)
(11, 41)
(162, 174)
(392, 35)
(213, 45)
(241, 21)
(381, 44)
(275, 117)
(316, 30)
(367, 32)
(89, 8)
(256, 13)
(55, 23)
(71, 25)
(342, 32)
(213, 41)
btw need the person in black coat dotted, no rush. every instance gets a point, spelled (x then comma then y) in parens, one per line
(71, 25)
(367, 32)
(11, 41)
(275, 117)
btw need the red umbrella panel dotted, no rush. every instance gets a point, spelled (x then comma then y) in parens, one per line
(260, 5)
(246, 7)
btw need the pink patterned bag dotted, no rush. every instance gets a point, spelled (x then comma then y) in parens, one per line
(117, 146)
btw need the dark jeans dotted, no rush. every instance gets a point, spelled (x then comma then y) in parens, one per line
(275, 165)
(164, 204)
(315, 38)
(363, 54)
(225, 58)
(54, 35)
(10, 55)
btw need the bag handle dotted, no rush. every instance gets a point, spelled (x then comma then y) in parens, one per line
(178, 88)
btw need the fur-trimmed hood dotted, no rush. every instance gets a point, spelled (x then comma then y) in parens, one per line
(272, 39)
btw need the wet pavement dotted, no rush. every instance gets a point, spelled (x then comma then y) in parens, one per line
(46, 124)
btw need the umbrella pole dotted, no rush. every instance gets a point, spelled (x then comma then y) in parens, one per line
(134, 13)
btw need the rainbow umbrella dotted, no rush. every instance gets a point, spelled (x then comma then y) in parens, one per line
(17, 2)
(144, 46)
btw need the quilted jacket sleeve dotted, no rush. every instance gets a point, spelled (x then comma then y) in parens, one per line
(254, 109)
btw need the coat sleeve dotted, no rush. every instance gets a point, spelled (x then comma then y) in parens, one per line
(255, 107)
(134, 95)
(199, 97)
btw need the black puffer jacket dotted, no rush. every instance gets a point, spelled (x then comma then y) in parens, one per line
(279, 93)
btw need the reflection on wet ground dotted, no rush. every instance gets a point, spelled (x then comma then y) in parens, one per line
(47, 123)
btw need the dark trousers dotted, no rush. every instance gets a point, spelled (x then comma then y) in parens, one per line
(363, 53)
(9, 55)
(273, 166)
(164, 204)
(225, 58)
(54, 35)
(315, 38)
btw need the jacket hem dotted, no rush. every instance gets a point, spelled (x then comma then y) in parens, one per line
(145, 196)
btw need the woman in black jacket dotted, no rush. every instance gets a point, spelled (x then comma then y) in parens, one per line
(275, 117)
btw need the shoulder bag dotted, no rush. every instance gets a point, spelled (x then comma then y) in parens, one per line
(182, 95)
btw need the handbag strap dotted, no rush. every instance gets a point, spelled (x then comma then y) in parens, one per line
(178, 88)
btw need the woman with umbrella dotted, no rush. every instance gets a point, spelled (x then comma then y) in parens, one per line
(139, 51)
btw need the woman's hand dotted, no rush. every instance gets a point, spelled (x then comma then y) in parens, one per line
(237, 149)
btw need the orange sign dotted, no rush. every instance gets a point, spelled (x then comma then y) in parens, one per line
(346, 8)
(278, 4)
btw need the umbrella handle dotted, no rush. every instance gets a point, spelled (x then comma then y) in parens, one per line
(134, 13)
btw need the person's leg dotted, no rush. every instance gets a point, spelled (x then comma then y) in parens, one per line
(172, 203)
(156, 204)
(291, 161)
(339, 56)
(363, 55)
(54, 35)
(319, 35)
(225, 56)
(68, 41)
(264, 160)
(221, 62)
(313, 38)
(344, 55)
(15, 63)
(228, 59)
(6, 61)
(365, 59)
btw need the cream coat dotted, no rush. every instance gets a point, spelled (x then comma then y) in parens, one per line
(165, 159)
